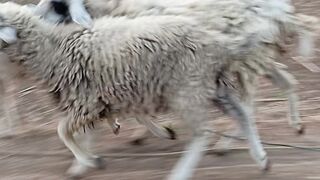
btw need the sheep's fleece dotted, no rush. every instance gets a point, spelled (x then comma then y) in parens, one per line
(121, 65)
(277, 20)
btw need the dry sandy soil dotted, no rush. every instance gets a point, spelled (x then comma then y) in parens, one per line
(38, 154)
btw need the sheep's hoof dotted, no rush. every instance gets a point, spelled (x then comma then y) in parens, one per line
(172, 133)
(137, 142)
(76, 171)
(116, 128)
(221, 152)
(265, 165)
(301, 130)
(100, 163)
(74, 177)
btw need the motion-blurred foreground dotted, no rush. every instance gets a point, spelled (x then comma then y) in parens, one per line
(35, 152)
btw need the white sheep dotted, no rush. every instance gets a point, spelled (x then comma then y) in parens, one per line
(132, 67)
(233, 17)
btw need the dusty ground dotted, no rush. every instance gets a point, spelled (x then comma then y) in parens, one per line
(40, 155)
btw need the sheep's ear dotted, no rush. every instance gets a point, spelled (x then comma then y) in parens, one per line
(79, 14)
(31, 7)
(8, 34)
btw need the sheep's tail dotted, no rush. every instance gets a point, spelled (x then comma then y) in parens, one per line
(307, 27)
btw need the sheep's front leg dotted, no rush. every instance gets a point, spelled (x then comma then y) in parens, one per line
(183, 170)
(196, 118)
(285, 81)
(86, 140)
(81, 155)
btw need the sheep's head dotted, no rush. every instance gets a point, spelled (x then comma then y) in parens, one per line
(53, 11)
(8, 11)
(57, 11)
(8, 34)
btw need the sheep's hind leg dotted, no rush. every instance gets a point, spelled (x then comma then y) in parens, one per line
(243, 114)
(146, 127)
(81, 155)
(249, 85)
(140, 134)
(156, 129)
(285, 82)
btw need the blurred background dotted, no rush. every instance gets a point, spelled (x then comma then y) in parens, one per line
(35, 152)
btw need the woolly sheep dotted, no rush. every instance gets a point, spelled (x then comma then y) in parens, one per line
(123, 67)
(235, 17)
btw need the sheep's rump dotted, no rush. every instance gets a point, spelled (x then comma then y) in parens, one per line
(271, 22)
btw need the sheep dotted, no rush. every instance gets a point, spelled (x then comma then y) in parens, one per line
(233, 17)
(132, 67)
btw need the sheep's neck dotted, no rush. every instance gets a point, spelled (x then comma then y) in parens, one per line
(34, 42)
(37, 49)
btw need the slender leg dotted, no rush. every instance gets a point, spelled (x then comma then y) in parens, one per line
(196, 119)
(83, 156)
(183, 170)
(142, 132)
(157, 130)
(242, 113)
(248, 84)
(285, 81)
(86, 141)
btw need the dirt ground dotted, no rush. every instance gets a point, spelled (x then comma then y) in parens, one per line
(39, 154)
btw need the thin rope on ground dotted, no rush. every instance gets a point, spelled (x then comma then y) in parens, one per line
(137, 155)
(316, 149)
